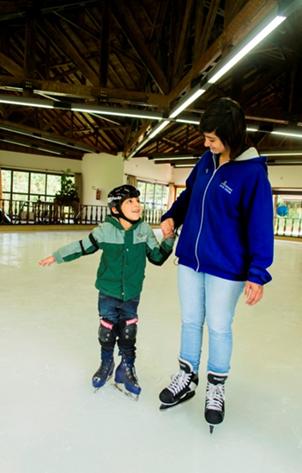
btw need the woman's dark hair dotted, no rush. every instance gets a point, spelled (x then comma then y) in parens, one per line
(225, 118)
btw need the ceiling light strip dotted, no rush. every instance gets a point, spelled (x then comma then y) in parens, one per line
(25, 102)
(194, 95)
(252, 43)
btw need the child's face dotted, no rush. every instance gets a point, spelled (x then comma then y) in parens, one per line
(132, 208)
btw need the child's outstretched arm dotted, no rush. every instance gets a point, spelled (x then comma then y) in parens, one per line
(47, 261)
(88, 245)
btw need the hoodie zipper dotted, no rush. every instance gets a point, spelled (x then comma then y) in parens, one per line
(202, 210)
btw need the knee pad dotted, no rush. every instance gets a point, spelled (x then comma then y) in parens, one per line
(107, 333)
(127, 331)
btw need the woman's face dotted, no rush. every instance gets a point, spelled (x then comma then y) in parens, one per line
(215, 144)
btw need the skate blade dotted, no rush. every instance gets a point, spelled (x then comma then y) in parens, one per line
(164, 407)
(122, 389)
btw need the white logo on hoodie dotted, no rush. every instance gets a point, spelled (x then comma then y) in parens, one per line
(225, 187)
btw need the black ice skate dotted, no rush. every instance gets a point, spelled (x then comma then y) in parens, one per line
(181, 388)
(126, 380)
(103, 373)
(214, 408)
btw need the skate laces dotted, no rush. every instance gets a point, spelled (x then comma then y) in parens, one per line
(104, 369)
(131, 373)
(180, 381)
(215, 396)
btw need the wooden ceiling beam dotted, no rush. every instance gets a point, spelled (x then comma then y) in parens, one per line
(10, 65)
(208, 25)
(198, 27)
(105, 43)
(11, 10)
(248, 18)
(242, 24)
(178, 63)
(133, 33)
(41, 135)
(80, 91)
(63, 37)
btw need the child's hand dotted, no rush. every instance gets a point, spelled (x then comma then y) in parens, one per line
(167, 227)
(47, 261)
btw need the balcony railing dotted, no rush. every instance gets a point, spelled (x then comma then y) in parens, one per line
(287, 226)
(19, 212)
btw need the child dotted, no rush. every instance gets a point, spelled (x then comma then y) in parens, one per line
(126, 241)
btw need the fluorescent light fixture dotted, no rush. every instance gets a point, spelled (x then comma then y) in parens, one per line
(252, 128)
(11, 142)
(156, 130)
(25, 101)
(281, 153)
(285, 133)
(247, 48)
(184, 165)
(174, 158)
(186, 102)
(149, 137)
(24, 145)
(50, 140)
(190, 121)
(118, 112)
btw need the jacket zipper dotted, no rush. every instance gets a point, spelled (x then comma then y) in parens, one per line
(202, 211)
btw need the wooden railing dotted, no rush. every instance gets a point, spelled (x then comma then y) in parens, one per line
(21, 212)
(287, 226)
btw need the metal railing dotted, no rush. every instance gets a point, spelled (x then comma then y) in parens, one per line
(19, 212)
(287, 226)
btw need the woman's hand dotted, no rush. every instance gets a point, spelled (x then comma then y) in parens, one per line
(167, 227)
(253, 292)
(47, 261)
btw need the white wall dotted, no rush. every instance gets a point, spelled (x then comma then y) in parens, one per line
(280, 176)
(103, 171)
(37, 162)
(285, 176)
(146, 169)
(179, 175)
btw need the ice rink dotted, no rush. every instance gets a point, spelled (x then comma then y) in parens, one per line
(52, 421)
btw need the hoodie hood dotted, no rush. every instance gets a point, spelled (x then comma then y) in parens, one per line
(250, 153)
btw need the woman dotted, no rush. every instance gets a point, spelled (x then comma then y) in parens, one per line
(225, 247)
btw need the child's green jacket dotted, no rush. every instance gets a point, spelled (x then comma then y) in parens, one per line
(122, 265)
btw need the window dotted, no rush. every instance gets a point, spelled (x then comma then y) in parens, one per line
(178, 191)
(30, 185)
(153, 196)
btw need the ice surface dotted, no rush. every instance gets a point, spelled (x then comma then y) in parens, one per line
(52, 421)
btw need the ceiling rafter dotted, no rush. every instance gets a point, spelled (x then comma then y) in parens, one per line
(123, 66)
(135, 37)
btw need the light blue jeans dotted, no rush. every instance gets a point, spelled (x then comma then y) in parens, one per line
(207, 298)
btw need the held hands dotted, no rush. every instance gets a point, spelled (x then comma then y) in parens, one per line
(167, 227)
(47, 261)
(253, 292)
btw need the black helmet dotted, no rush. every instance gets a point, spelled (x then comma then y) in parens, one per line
(117, 196)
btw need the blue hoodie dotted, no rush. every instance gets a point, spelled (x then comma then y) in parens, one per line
(227, 218)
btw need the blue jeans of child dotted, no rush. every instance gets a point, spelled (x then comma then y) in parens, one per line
(207, 298)
(116, 310)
